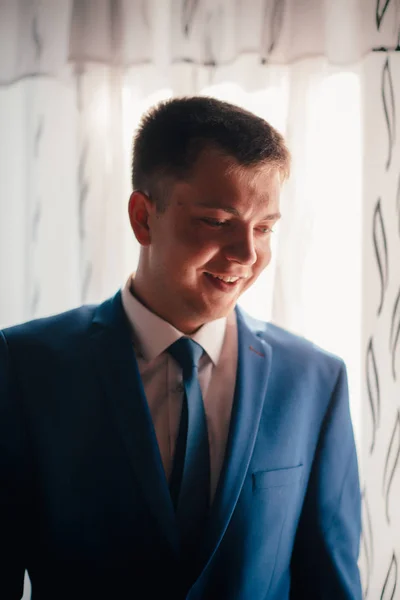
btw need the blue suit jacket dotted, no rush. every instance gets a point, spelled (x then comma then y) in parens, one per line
(84, 503)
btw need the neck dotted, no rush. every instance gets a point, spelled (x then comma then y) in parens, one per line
(142, 293)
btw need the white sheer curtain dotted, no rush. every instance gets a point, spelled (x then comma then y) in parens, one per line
(75, 76)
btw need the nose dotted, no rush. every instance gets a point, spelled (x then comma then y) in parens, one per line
(242, 249)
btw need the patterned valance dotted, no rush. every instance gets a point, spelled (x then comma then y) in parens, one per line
(40, 37)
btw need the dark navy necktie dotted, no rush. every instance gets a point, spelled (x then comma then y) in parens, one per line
(190, 478)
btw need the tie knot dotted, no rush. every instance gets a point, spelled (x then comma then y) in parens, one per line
(187, 353)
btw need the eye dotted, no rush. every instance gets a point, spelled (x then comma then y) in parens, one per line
(214, 222)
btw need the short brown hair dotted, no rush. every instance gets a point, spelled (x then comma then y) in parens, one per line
(172, 134)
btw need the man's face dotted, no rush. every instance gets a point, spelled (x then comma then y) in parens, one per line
(216, 224)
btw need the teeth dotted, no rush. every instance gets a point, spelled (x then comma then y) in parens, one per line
(226, 279)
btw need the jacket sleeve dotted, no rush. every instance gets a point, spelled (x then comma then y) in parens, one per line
(324, 562)
(13, 474)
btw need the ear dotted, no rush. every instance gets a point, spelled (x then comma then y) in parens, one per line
(139, 208)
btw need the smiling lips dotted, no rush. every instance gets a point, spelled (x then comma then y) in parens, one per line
(224, 278)
(223, 282)
(227, 278)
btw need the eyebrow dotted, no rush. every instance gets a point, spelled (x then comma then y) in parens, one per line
(233, 211)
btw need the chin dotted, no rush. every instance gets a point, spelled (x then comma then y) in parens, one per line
(217, 312)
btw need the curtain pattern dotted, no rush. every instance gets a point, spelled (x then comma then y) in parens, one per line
(380, 543)
(40, 36)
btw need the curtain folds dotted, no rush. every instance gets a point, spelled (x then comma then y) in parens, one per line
(40, 36)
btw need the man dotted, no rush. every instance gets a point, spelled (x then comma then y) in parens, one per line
(165, 444)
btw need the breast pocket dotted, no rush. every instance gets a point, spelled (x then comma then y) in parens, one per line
(277, 478)
(265, 521)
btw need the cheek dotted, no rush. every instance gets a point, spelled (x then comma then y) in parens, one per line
(185, 253)
(195, 241)
(263, 255)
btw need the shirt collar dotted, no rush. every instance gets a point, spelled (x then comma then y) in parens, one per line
(153, 335)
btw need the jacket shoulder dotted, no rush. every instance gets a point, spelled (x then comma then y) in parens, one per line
(291, 348)
(53, 330)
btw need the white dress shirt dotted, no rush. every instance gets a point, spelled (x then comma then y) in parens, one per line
(162, 378)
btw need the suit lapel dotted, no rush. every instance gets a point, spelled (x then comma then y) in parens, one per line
(254, 360)
(118, 370)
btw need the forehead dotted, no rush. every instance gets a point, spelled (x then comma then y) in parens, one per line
(219, 178)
